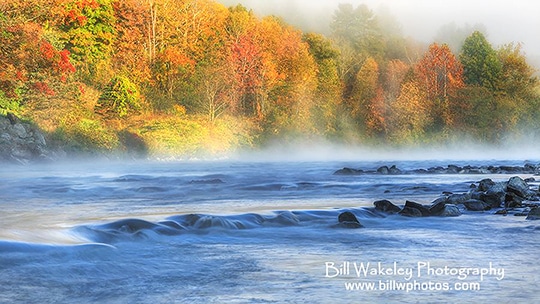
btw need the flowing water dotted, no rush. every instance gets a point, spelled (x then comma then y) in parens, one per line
(252, 232)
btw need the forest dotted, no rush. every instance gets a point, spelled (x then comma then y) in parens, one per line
(190, 77)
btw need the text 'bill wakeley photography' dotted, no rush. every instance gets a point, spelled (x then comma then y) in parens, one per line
(419, 276)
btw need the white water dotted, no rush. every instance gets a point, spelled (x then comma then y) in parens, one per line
(60, 241)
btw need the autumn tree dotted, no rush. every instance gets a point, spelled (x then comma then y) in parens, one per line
(393, 77)
(409, 117)
(32, 61)
(327, 97)
(289, 77)
(130, 54)
(364, 91)
(440, 74)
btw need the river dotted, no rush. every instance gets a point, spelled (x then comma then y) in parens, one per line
(245, 231)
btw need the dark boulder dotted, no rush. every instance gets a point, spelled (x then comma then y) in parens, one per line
(394, 170)
(476, 205)
(437, 207)
(453, 169)
(512, 200)
(534, 214)
(493, 199)
(348, 171)
(383, 170)
(348, 220)
(423, 209)
(386, 206)
(485, 184)
(410, 212)
(518, 186)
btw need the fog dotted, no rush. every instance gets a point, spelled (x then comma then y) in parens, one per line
(514, 148)
(505, 21)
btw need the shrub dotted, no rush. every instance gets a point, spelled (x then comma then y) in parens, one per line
(120, 97)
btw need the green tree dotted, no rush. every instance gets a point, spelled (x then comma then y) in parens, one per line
(327, 97)
(481, 65)
(359, 28)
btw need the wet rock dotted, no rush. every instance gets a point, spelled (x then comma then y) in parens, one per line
(394, 170)
(410, 212)
(511, 200)
(534, 214)
(386, 206)
(383, 170)
(348, 220)
(518, 186)
(348, 171)
(423, 209)
(458, 198)
(476, 205)
(485, 184)
(437, 207)
(493, 199)
(453, 169)
(450, 210)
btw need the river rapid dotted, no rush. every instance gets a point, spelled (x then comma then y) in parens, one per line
(253, 232)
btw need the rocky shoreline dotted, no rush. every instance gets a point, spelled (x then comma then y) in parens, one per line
(22, 142)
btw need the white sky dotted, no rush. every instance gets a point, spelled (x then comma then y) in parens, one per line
(505, 20)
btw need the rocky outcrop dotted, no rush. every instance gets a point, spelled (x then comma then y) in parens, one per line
(515, 196)
(440, 207)
(22, 142)
(450, 169)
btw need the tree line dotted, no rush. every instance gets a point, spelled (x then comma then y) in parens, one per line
(363, 82)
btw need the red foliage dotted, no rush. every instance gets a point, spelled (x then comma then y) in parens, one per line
(47, 50)
(43, 87)
(64, 65)
(246, 59)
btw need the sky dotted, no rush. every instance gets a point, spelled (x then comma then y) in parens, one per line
(505, 21)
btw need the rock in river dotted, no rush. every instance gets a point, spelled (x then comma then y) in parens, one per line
(348, 220)
(386, 206)
(476, 205)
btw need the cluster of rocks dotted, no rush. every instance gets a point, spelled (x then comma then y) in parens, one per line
(22, 142)
(515, 196)
(450, 169)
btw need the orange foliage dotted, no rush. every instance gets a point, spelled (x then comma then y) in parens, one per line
(440, 72)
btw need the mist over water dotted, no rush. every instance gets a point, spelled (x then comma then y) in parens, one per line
(458, 150)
